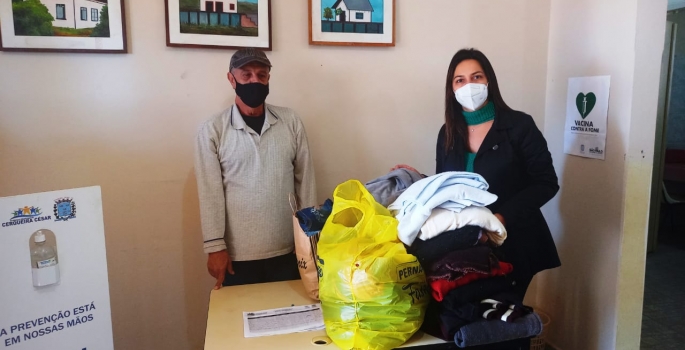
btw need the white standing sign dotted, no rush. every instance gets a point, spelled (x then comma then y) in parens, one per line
(54, 292)
(587, 107)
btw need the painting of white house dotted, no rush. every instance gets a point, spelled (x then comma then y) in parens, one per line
(70, 18)
(218, 24)
(219, 17)
(350, 22)
(357, 14)
(83, 26)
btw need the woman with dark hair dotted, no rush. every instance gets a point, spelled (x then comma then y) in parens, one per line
(483, 135)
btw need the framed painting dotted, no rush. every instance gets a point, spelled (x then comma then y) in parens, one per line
(218, 24)
(352, 22)
(96, 26)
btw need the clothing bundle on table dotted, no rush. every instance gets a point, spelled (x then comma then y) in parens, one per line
(445, 222)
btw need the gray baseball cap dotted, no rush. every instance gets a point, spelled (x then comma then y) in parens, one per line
(247, 55)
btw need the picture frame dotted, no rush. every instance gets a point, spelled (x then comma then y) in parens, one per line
(352, 22)
(76, 26)
(218, 24)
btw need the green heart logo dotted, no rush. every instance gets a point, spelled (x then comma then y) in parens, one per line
(585, 103)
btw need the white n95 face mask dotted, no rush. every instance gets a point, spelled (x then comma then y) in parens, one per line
(472, 96)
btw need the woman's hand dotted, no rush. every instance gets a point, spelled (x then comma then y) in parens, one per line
(501, 219)
(405, 166)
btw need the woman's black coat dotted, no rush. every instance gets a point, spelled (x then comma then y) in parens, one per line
(517, 165)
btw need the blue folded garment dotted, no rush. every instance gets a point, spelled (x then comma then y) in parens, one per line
(312, 219)
(453, 191)
(496, 331)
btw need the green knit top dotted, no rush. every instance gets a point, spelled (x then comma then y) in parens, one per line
(479, 116)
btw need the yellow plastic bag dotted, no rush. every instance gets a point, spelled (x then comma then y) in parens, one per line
(373, 294)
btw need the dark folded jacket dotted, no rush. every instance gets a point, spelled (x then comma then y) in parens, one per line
(436, 248)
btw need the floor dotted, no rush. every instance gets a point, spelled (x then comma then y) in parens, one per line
(663, 319)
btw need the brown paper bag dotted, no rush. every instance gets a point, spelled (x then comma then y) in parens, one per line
(305, 250)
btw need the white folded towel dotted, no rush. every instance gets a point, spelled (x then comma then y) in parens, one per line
(442, 220)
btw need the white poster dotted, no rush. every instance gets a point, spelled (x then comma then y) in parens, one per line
(54, 292)
(587, 107)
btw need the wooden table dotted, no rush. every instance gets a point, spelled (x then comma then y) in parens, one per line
(225, 319)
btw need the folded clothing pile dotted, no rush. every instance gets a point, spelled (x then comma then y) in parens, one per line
(444, 221)
(451, 191)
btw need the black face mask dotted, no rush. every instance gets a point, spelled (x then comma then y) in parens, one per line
(253, 94)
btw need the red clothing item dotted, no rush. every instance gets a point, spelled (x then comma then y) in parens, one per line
(441, 287)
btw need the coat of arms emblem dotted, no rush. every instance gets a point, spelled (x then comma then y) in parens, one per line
(64, 209)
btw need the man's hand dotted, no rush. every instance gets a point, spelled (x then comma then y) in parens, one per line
(217, 265)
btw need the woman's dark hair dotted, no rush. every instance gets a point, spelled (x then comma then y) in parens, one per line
(455, 124)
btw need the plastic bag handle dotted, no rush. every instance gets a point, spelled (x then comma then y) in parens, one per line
(292, 199)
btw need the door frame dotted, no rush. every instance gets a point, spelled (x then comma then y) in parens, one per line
(661, 135)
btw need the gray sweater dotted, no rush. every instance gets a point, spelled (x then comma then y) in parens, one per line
(244, 179)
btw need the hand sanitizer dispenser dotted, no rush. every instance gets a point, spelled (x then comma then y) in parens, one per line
(45, 265)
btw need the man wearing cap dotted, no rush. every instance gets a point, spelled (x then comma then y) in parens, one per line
(248, 159)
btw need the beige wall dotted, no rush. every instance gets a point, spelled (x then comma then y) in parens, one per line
(127, 123)
(599, 217)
